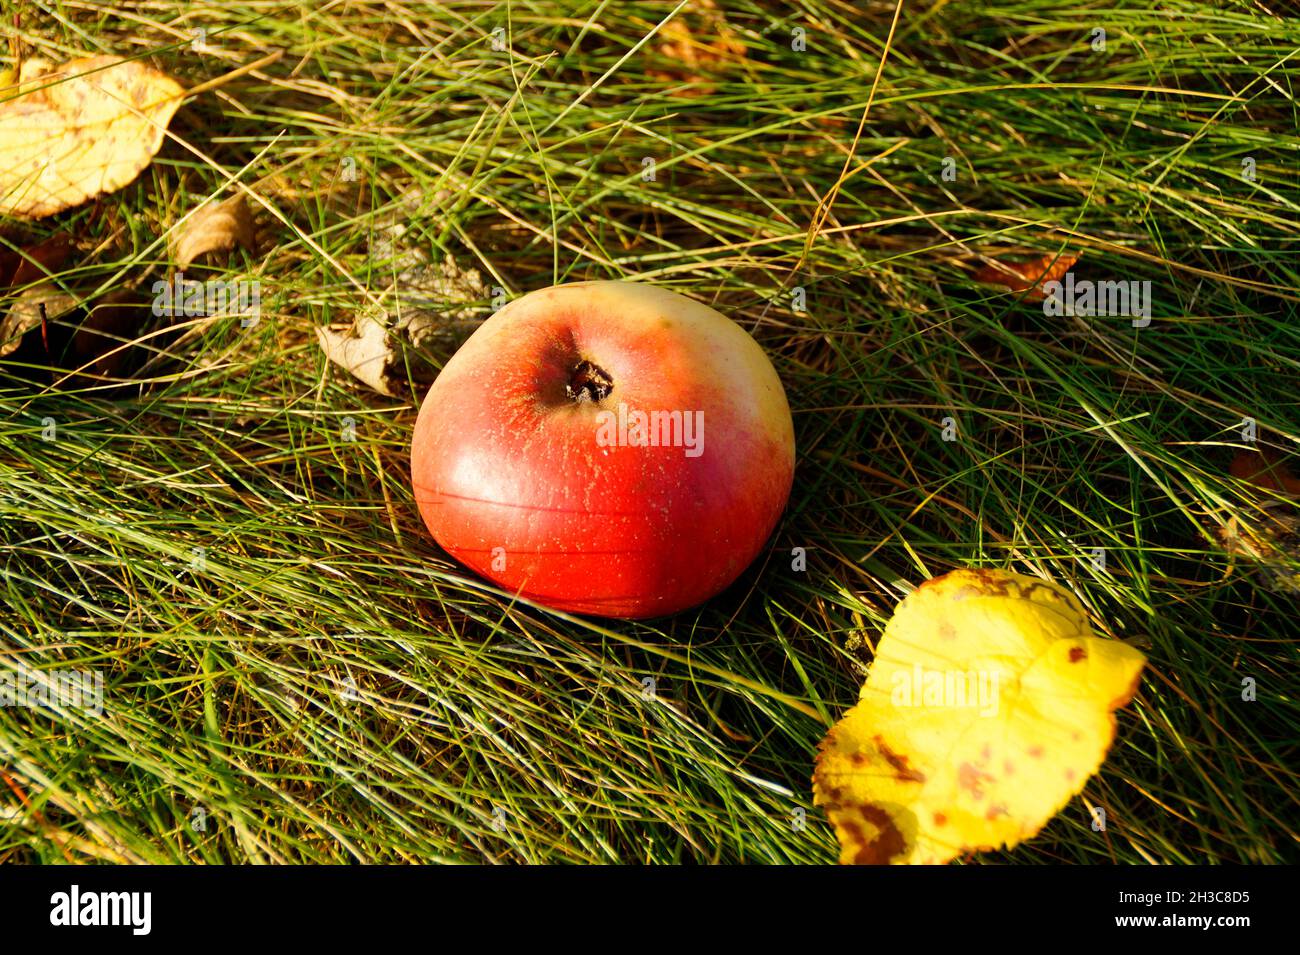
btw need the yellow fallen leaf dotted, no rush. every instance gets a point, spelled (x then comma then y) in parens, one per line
(988, 705)
(88, 128)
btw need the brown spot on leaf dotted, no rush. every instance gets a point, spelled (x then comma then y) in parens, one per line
(886, 845)
(947, 631)
(902, 771)
(998, 809)
(1035, 751)
(856, 836)
(1077, 654)
(993, 582)
(940, 819)
(972, 780)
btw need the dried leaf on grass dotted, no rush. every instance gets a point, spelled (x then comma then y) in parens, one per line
(1265, 469)
(33, 308)
(18, 267)
(101, 347)
(34, 301)
(217, 227)
(1027, 277)
(76, 132)
(427, 303)
(192, 305)
(82, 344)
(363, 349)
(78, 341)
(1270, 537)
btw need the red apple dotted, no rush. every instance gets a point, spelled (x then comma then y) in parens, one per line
(606, 448)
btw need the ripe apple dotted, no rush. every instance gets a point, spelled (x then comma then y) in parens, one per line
(607, 448)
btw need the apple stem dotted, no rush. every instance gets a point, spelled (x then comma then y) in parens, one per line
(589, 382)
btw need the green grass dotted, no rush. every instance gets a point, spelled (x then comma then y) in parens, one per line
(484, 729)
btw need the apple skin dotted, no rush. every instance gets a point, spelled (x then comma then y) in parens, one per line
(512, 481)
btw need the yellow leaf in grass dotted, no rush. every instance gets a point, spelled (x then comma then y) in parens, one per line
(988, 705)
(87, 128)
